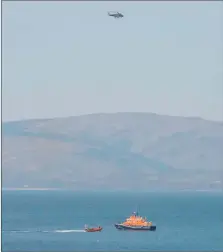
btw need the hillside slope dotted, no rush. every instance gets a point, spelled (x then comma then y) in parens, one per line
(113, 151)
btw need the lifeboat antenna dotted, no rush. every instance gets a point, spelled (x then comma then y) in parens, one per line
(137, 212)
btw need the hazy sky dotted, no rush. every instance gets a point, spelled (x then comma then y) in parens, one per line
(70, 58)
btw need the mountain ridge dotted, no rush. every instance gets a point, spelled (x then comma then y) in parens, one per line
(119, 150)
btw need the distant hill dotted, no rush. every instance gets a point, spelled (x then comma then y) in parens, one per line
(114, 151)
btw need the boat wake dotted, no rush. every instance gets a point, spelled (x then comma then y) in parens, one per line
(15, 231)
(70, 231)
(46, 231)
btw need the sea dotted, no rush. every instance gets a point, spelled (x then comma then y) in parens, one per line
(54, 221)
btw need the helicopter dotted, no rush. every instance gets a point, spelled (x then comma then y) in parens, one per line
(115, 14)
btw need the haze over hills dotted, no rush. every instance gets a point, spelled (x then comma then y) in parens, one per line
(113, 151)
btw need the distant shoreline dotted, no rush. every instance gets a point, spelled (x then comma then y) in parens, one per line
(92, 190)
(31, 189)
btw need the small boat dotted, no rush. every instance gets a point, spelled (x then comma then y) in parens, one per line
(96, 229)
(137, 223)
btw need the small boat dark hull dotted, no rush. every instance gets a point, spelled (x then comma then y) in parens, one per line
(93, 229)
(123, 227)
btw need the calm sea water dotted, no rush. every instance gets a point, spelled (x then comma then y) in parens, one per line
(54, 221)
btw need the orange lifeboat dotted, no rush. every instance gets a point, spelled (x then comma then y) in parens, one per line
(96, 229)
(135, 222)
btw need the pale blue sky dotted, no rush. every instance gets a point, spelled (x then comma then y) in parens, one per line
(70, 58)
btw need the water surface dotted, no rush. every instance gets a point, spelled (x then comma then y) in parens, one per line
(54, 221)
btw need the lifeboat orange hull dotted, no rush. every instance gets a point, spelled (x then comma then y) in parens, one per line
(98, 229)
